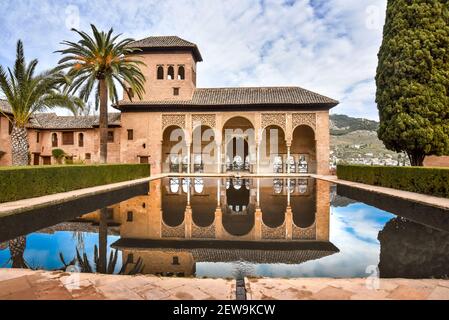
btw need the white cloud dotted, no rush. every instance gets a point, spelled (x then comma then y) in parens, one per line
(326, 46)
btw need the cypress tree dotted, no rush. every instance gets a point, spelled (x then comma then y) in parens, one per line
(413, 79)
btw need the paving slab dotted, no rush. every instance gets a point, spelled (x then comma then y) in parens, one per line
(345, 289)
(17, 284)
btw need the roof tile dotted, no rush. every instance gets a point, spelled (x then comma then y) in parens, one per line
(245, 96)
(167, 42)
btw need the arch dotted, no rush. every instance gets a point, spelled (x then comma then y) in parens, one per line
(81, 140)
(204, 204)
(174, 149)
(238, 211)
(173, 205)
(181, 73)
(238, 144)
(54, 139)
(203, 148)
(237, 121)
(273, 149)
(304, 207)
(303, 148)
(160, 73)
(272, 204)
(171, 73)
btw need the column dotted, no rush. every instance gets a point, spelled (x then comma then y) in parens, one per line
(258, 157)
(189, 155)
(218, 158)
(188, 216)
(288, 224)
(288, 158)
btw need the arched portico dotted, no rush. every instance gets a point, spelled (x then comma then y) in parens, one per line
(238, 148)
(174, 150)
(272, 150)
(303, 150)
(203, 149)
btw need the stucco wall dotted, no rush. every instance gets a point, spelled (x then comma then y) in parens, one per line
(163, 89)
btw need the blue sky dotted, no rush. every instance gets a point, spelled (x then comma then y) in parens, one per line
(327, 46)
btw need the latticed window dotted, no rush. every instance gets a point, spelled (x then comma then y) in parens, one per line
(181, 73)
(171, 73)
(130, 134)
(54, 140)
(81, 140)
(110, 136)
(160, 73)
(67, 138)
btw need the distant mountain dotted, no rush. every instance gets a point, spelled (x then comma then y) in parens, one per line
(354, 140)
(342, 124)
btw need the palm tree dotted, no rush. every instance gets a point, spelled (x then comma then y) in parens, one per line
(100, 63)
(28, 93)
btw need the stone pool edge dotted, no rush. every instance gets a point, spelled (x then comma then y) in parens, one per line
(21, 284)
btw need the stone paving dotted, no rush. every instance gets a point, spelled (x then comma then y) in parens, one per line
(346, 289)
(17, 284)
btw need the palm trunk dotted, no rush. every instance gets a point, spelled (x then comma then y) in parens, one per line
(103, 241)
(19, 146)
(103, 121)
(17, 249)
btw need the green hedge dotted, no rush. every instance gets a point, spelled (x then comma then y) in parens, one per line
(27, 182)
(431, 181)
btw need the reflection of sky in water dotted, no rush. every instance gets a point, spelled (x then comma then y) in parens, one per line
(42, 250)
(353, 230)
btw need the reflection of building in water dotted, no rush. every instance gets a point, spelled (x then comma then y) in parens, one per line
(184, 221)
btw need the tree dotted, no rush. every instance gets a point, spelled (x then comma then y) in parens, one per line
(100, 62)
(28, 94)
(413, 79)
(58, 154)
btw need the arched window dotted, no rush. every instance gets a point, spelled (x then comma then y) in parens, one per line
(171, 73)
(160, 73)
(81, 140)
(181, 73)
(54, 140)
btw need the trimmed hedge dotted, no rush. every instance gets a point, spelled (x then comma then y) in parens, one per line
(431, 181)
(33, 181)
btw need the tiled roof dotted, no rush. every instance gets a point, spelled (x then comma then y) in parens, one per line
(293, 252)
(53, 121)
(167, 42)
(4, 106)
(246, 96)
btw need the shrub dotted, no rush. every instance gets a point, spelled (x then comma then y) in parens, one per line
(58, 154)
(33, 181)
(431, 181)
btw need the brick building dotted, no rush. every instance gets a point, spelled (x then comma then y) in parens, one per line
(178, 127)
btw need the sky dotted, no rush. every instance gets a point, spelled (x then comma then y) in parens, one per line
(327, 46)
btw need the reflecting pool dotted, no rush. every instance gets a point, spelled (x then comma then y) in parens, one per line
(223, 227)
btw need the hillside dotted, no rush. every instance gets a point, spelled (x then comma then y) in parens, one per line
(355, 140)
(342, 124)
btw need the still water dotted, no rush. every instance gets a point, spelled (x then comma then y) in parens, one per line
(241, 227)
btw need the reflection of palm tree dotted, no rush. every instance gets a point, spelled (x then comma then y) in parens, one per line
(101, 262)
(17, 248)
(103, 241)
(109, 265)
